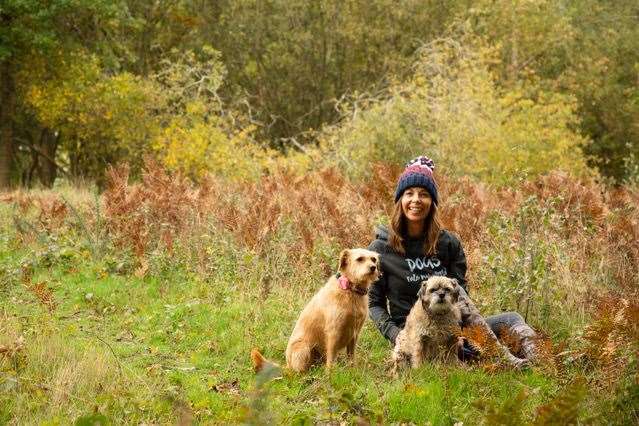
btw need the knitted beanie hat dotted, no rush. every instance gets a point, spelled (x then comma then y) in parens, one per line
(418, 172)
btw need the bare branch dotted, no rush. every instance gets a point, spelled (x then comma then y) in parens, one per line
(27, 144)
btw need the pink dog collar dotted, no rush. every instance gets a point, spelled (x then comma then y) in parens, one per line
(345, 284)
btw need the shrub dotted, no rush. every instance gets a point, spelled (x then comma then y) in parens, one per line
(452, 110)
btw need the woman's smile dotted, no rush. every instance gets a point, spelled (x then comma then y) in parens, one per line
(416, 202)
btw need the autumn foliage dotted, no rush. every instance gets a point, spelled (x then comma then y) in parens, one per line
(561, 251)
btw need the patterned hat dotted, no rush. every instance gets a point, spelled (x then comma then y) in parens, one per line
(418, 172)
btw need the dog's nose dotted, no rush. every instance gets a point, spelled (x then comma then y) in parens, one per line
(373, 268)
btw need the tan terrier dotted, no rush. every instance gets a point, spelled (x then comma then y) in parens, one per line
(333, 318)
(432, 327)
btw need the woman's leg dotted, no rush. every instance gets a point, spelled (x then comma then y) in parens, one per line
(515, 325)
(472, 317)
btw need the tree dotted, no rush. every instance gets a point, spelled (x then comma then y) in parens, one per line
(33, 28)
(7, 110)
(104, 118)
(587, 49)
(604, 75)
(453, 109)
(295, 58)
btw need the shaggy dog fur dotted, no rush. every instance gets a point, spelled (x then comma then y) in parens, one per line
(432, 326)
(333, 318)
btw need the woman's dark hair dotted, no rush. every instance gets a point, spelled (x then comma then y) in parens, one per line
(399, 231)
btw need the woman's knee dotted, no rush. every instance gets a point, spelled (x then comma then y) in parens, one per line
(512, 322)
(506, 320)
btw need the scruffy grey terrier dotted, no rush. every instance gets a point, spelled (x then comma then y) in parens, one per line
(432, 327)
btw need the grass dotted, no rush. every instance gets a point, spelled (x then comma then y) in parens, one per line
(93, 330)
(141, 349)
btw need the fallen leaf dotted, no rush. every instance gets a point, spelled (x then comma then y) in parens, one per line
(232, 388)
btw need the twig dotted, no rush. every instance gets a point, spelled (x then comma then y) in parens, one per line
(110, 348)
(296, 143)
(27, 144)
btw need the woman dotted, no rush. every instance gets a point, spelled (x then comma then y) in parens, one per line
(415, 248)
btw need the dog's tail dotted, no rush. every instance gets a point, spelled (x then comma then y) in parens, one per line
(261, 364)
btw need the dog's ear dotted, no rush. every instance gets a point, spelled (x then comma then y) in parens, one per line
(455, 293)
(422, 289)
(343, 260)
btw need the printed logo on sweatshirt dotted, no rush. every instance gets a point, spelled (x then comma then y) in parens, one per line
(422, 263)
(422, 268)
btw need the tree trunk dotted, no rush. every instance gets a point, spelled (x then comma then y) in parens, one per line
(47, 168)
(7, 101)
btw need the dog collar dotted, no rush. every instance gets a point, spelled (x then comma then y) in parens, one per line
(345, 284)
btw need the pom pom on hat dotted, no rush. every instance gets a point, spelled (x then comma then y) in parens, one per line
(422, 161)
(418, 172)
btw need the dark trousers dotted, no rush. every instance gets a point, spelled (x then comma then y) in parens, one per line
(515, 326)
(512, 322)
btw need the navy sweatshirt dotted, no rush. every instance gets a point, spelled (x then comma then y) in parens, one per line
(394, 294)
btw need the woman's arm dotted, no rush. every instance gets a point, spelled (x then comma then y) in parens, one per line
(377, 303)
(457, 265)
(378, 311)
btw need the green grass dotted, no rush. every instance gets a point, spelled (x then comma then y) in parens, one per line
(173, 346)
(137, 349)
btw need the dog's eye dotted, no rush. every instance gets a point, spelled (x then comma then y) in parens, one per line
(360, 259)
(433, 290)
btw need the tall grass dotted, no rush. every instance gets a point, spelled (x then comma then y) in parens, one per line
(561, 251)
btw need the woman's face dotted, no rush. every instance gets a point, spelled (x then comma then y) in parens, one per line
(416, 203)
